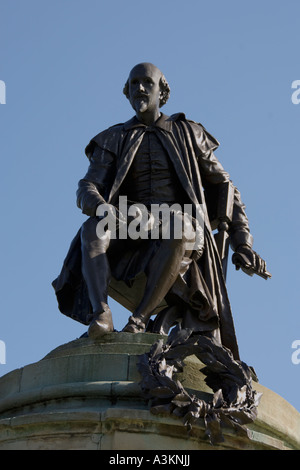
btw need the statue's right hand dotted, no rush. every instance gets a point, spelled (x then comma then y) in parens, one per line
(106, 210)
(110, 220)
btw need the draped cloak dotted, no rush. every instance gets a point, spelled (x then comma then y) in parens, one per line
(191, 150)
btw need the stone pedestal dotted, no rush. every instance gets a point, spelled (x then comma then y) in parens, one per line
(86, 395)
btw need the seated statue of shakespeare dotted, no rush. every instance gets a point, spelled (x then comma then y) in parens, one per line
(154, 194)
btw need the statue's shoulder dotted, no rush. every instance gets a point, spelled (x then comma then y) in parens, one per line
(181, 119)
(196, 126)
(108, 134)
(202, 138)
(107, 139)
(193, 125)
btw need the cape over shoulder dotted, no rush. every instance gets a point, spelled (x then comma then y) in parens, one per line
(107, 140)
(202, 138)
(110, 138)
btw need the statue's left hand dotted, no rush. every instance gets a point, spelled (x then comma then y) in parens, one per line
(250, 262)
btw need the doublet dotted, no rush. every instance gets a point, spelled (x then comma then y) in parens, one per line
(151, 178)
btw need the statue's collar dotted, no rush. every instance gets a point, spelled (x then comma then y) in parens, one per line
(164, 122)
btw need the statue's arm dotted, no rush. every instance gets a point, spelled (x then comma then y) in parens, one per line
(93, 188)
(241, 240)
(213, 173)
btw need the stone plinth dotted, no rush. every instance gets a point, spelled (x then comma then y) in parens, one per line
(86, 395)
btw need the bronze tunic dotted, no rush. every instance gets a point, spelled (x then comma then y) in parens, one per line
(151, 178)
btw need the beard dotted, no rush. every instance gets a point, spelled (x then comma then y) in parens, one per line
(141, 104)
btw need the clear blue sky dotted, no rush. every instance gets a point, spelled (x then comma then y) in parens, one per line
(230, 66)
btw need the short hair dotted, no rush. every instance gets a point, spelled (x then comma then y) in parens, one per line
(164, 86)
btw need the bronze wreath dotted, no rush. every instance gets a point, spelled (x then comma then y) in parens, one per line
(234, 402)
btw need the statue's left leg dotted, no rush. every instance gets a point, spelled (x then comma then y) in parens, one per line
(162, 272)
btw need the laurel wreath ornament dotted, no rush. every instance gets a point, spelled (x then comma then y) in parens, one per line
(234, 402)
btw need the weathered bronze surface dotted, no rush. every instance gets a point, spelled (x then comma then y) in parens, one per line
(149, 162)
(155, 159)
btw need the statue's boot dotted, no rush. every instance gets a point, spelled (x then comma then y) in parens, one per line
(136, 324)
(101, 324)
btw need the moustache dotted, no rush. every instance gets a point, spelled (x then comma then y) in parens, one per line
(141, 95)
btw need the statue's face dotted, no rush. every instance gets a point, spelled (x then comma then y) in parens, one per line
(144, 88)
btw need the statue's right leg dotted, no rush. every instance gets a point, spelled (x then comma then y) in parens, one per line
(96, 273)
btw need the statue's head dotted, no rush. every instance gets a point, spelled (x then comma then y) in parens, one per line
(146, 85)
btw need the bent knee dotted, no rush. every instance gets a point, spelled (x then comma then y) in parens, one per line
(88, 230)
(181, 228)
(90, 241)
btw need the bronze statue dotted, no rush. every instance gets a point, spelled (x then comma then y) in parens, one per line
(153, 160)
